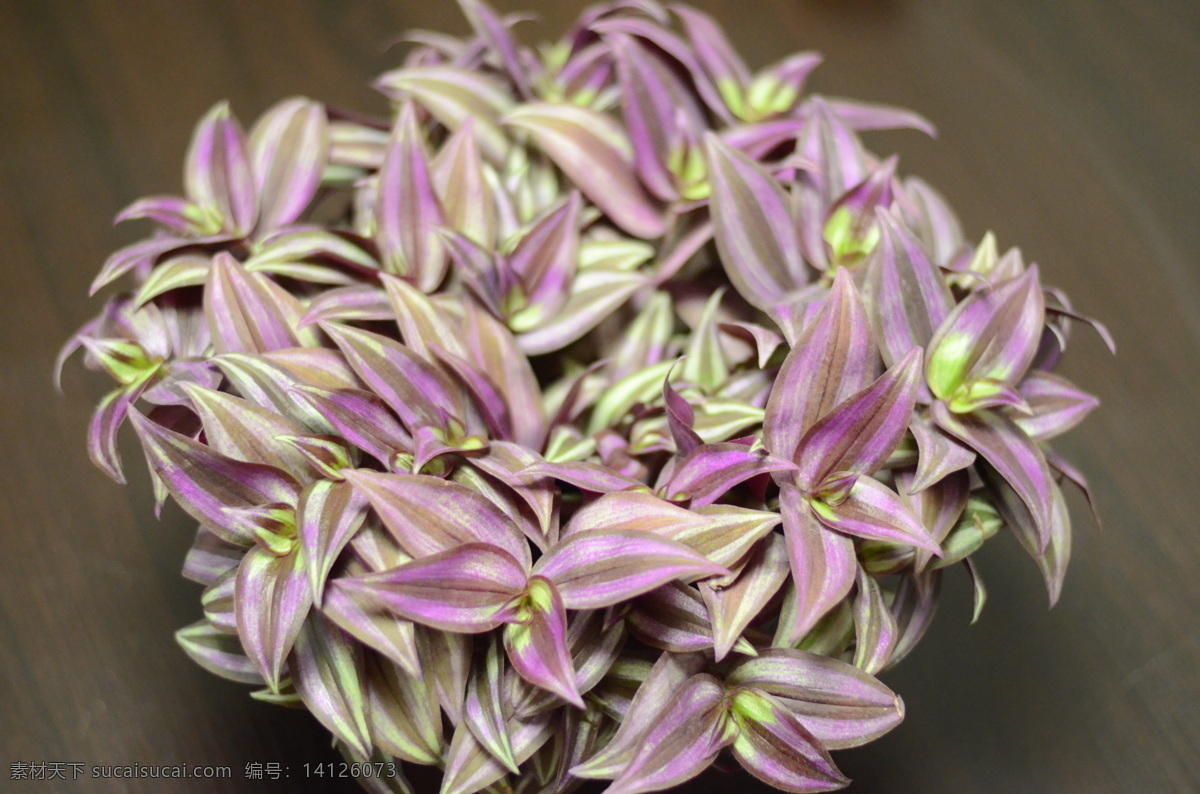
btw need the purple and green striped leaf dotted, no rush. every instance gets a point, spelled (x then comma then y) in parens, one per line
(775, 90)
(408, 211)
(830, 144)
(753, 227)
(909, 298)
(428, 515)
(875, 631)
(683, 740)
(423, 324)
(403, 713)
(704, 362)
(327, 669)
(209, 557)
(358, 302)
(1013, 454)
(939, 454)
(419, 392)
(485, 711)
(328, 515)
(494, 31)
(774, 745)
(218, 175)
(241, 430)
(139, 256)
(218, 652)
(466, 589)
(328, 455)
(681, 418)
(289, 147)
(591, 477)
(359, 417)
(595, 153)
(503, 462)
(375, 627)
(205, 483)
(1055, 404)
(446, 659)
(581, 732)
(1051, 550)
(174, 212)
(176, 272)
(733, 607)
(873, 511)
(495, 352)
(860, 433)
(652, 26)
(718, 58)
(978, 587)
(656, 691)
(102, 431)
(823, 566)
(839, 704)
(594, 648)
(601, 568)
(993, 334)
(244, 316)
(267, 383)
(729, 532)
(218, 602)
(939, 506)
(455, 96)
(833, 359)
(462, 182)
(658, 110)
(536, 641)
(272, 597)
(913, 606)
(672, 618)
(596, 293)
(545, 260)
(862, 116)
(632, 511)
(471, 768)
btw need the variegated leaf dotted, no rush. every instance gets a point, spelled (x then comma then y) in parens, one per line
(732, 608)
(428, 515)
(823, 566)
(485, 712)
(403, 713)
(774, 745)
(244, 316)
(839, 704)
(206, 483)
(594, 152)
(596, 569)
(833, 359)
(466, 589)
(536, 641)
(272, 598)
(327, 669)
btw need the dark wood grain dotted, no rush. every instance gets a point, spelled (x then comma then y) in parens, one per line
(1070, 128)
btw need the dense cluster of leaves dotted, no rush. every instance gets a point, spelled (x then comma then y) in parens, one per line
(609, 408)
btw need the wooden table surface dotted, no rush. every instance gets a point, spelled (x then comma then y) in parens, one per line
(1070, 128)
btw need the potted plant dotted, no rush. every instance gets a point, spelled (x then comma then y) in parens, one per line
(605, 408)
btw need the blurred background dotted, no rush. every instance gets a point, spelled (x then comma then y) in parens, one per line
(1071, 129)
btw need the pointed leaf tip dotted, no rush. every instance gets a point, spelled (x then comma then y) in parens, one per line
(601, 568)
